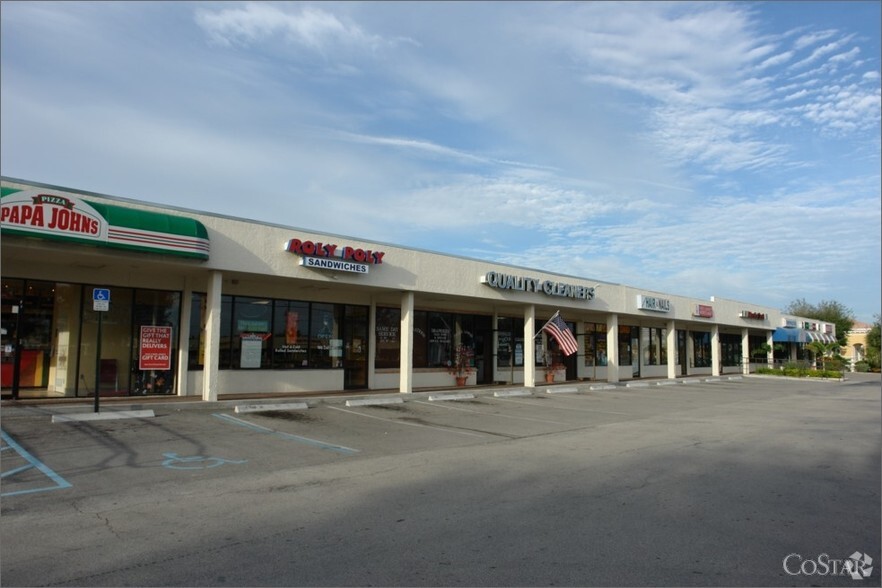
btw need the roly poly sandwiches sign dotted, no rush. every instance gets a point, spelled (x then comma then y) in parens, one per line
(333, 257)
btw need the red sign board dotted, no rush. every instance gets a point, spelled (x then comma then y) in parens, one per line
(156, 348)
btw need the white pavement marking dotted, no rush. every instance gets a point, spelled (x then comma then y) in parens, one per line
(400, 422)
(506, 393)
(566, 408)
(102, 416)
(461, 396)
(264, 407)
(373, 401)
(503, 416)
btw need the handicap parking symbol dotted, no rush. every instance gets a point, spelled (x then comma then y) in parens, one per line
(174, 461)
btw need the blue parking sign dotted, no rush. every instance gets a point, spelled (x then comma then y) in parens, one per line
(101, 299)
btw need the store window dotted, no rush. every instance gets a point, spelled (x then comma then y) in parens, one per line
(156, 317)
(701, 349)
(441, 330)
(730, 349)
(628, 342)
(510, 342)
(388, 336)
(290, 334)
(61, 335)
(653, 340)
(261, 333)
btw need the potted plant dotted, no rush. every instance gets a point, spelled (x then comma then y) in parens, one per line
(551, 367)
(461, 364)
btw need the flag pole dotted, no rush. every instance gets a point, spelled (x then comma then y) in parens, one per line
(546, 323)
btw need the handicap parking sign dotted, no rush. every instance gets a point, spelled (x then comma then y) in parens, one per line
(101, 299)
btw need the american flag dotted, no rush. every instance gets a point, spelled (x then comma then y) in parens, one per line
(557, 328)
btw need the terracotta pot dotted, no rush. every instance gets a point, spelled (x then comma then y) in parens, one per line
(549, 378)
(461, 380)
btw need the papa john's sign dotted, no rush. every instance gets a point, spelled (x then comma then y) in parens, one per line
(51, 214)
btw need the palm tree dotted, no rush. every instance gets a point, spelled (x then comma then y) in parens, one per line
(822, 350)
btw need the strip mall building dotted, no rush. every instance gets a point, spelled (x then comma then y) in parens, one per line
(134, 298)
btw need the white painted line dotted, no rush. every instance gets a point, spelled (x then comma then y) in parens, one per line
(102, 416)
(400, 422)
(264, 407)
(691, 381)
(665, 383)
(735, 377)
(460, 396)
(566, 390)
(373, 401)
(502, 416)
(507, 393)
(711, 379)
(539, 403)
(637, 385)
(603, 387)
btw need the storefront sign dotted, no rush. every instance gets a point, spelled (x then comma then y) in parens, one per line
(50, 214)
(333, 257)
(703, 311)
(754, 316)
(548, 287)
(652, 303)
(155, 349)
(251, 352)
(44, 214)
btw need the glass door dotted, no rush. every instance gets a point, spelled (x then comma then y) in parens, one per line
(355, 347)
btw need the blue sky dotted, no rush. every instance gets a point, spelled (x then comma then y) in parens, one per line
(700, 148)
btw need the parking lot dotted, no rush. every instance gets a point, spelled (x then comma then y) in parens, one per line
(711, 482)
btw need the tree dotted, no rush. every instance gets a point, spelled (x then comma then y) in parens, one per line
(828, 311)
(874, 342)
(821, 350)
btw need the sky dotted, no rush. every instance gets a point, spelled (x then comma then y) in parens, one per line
(697, 149)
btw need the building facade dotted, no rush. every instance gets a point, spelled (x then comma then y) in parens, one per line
(131, 298)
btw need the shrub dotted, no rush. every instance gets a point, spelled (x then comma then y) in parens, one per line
(862, 366)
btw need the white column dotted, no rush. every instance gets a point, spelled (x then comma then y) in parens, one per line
(212, 336)
(770, 341)
(716, 368)
(529, 346)
(405, 383)
(745, 351)
(612, 348)
(672, 350)
(184, 339)
(372, 344)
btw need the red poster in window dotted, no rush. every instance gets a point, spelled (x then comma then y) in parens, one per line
(156, 348)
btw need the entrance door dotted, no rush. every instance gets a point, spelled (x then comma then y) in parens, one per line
(483, 349)
(635, 352)
(27, 334)
(355, 347)
(681, 351)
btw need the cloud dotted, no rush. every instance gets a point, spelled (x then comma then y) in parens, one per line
(309, 27)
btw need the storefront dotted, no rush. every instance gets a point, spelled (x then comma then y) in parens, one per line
(133, 299)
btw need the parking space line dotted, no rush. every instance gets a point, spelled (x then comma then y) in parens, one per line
(400, 422)
(305, 440)
(33, 462)
(504, 416)
(567, 408)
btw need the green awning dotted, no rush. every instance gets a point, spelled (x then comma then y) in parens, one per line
(46, 213)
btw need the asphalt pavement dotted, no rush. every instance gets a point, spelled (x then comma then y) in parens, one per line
(743, 481)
